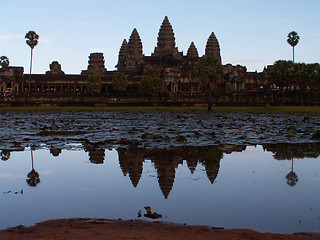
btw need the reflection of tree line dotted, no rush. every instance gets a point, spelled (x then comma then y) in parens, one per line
(286, 151)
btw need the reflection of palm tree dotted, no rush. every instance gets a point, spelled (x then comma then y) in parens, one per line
(5, 155)
(292, 177)
(33, 176)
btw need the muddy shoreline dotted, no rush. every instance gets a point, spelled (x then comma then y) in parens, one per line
(82, 228)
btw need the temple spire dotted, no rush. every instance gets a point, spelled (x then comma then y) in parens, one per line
(134, 59)
(192, 51)
(212, 48)
(166, 45)
(123, 54)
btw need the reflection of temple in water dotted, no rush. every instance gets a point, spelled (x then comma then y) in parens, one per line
(167, 160)
(96, 153)
(131, 163)
(55, 152)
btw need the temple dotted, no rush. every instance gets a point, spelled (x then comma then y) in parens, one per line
(178, 72)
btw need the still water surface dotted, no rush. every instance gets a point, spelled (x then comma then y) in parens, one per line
(237, 187)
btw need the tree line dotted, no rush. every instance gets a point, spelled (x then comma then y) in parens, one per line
(296, 76)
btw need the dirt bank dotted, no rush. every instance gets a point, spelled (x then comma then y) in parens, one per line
(135, 229)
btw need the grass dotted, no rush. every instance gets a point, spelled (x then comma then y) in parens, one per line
(277, 109)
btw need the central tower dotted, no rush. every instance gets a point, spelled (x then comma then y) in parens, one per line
(166, 45)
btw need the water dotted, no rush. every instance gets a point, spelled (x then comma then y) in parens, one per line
(224, 186)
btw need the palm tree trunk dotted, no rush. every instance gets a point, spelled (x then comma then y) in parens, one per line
(30, 73)
(293, 54)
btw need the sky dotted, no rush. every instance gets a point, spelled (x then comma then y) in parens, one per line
(251, 33)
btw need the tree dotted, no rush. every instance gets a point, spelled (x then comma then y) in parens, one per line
(282, 73)
(94, 83)
(301, 77)
(210, 72)
(151, 83)
(4, 62)
(293, 39)
(32, 41)
(119, 81)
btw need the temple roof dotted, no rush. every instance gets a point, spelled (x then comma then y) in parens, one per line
(192, 51)
(134, 44)
(123, 53)
(123, 49)
(166, 40)
(212, 48)
(96, 64)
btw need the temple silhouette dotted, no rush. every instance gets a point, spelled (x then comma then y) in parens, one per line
(177, 70)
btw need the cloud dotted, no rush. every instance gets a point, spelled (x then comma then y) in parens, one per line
(105, 24)
(314, 34)
(96, 50)
(84, 23)
(45, 40)
(46, 172)
(282, 20)
(246, 60)
(10, 176)
(10, 36)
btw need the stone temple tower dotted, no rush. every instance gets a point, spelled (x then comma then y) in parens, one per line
(134, 52)
(96, 65)
(123, 54)
(166, 41)
(192, 51)
(212, 48)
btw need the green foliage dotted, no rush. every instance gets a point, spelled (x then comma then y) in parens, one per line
(119, 81)
(94, 83)
(210, 72)
(287, 73)
(282, 72)
(293, 38)
(32, 39)
(4, 62)
(152, 83)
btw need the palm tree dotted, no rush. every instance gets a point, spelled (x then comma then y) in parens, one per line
(4, 62)
(293, 39)
(32, 41)
(210, 73)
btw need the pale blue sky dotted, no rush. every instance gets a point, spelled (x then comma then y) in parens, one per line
(251, 33)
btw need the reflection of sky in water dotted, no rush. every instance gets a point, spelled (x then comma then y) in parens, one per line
(250, 191)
